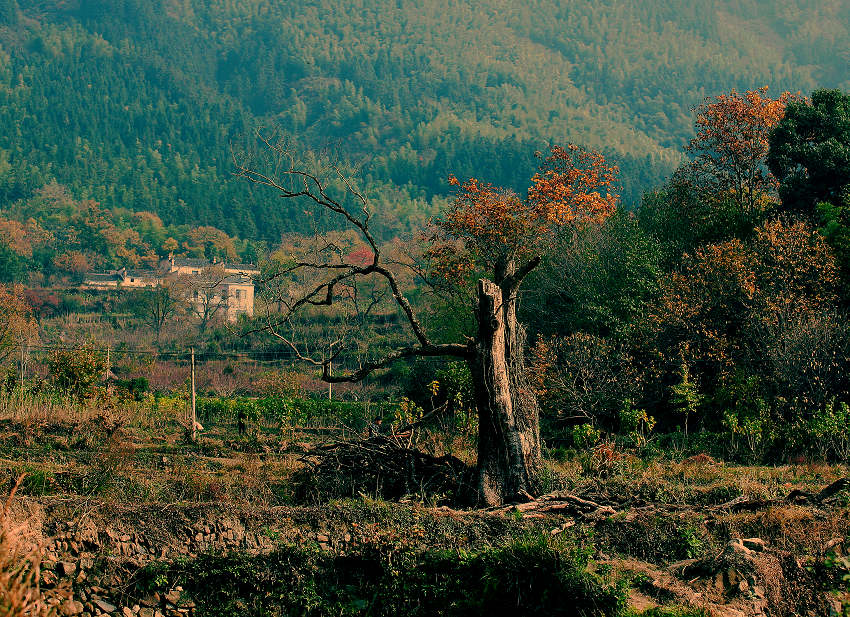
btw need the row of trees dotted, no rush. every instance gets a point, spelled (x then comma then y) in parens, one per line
(52, 235)
(721, 303)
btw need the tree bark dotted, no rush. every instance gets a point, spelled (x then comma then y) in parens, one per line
(508, 435)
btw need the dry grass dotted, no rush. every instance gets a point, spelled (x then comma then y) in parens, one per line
(30, 413)
(20, 595)
(38, 409)
(698, 483)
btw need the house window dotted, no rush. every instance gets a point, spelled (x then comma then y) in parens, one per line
(132, 280)
(238, 294)
(195, 272)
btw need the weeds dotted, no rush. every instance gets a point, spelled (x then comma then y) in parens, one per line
(20, 595)
(531, 575)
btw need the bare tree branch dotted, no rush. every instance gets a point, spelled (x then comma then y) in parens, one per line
(292, 182)
(456, 350)
(513, 281)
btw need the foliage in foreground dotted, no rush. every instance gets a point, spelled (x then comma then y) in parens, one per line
(19, 592)
(533, 577)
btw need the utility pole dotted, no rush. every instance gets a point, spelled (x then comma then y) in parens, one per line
(330, 369)
(194, 417)
(330, 384)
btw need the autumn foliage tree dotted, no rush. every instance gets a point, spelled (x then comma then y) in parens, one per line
(486, 232)
(732, 306)
(749, 316)
(17, 325)
(505, 237)
(726, 189)
(731, 146)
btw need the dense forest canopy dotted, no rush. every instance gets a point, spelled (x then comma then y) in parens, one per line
(135, 103)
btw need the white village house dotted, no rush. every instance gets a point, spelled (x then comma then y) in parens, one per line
(227, 283)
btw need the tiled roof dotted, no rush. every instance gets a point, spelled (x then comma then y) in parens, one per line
(197, 262)
(191, 261)
(101, 277)
(142, 274)
(237, 274)
(242, 267)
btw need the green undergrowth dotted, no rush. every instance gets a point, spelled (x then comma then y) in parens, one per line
(656, 538)
(528, 576)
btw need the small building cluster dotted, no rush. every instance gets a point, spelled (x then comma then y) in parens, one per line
(203, 282)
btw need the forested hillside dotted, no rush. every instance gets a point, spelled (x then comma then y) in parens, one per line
(134, 103)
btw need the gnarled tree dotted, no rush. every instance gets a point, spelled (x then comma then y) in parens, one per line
(486, 231)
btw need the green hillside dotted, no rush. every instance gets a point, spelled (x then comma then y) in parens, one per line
(134, 103)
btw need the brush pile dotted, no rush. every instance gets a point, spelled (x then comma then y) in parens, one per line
(381, 467)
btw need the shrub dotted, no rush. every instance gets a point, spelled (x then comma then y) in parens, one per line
(755, 432)
(824, 434)
(531, 577)
(585, 436)
(134, 388)
(584, 376)
(636, 424)
(77, 371)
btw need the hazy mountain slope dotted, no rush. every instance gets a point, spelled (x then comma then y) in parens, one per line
(135, 102)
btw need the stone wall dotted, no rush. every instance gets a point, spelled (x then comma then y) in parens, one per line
(91, 554)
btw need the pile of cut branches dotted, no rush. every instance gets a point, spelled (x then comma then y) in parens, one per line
(381, 467)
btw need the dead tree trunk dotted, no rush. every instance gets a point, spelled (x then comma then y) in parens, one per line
(571, 188)
(508, 438)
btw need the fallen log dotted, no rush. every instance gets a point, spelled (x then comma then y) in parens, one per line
(744, 503)
(560, 503)
(833, 489)
(797, 496)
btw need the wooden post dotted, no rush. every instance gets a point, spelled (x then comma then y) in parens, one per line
(330, 384)
(194, 416)
(22, 370)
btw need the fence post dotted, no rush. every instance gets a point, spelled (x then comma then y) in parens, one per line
(22, 371)
(194, 416)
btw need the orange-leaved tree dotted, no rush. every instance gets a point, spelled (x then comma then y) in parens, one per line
(18, 327)
(486, 231)
(731, 145)
(738, 308)
(504, 237)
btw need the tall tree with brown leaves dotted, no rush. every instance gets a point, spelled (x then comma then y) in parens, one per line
(486, 231)
(732, 143)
